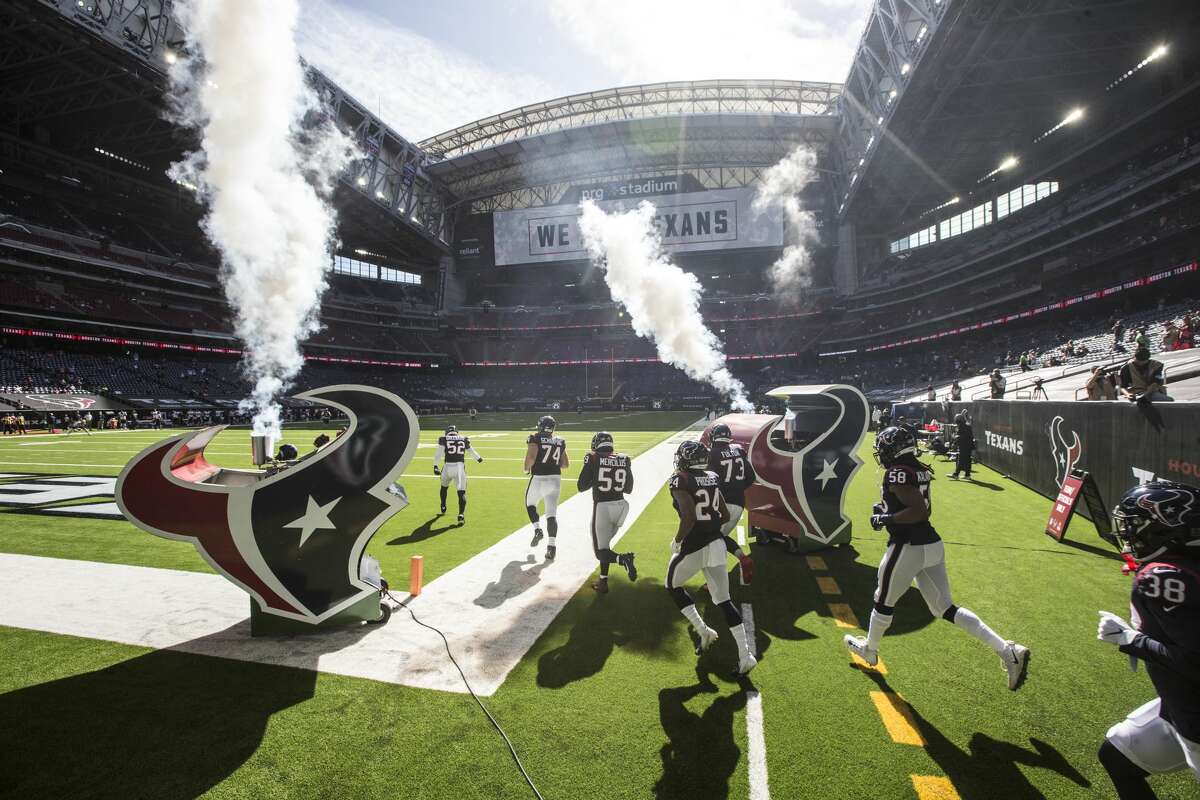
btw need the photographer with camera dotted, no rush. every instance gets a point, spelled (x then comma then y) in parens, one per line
(1141, 379)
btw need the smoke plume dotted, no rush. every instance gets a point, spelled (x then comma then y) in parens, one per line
(780, 188)
(663, 301)
(265, 169)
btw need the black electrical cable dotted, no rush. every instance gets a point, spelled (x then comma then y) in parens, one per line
(467, 683)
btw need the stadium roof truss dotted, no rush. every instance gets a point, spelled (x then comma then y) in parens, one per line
(895, 38)
(51, 75)
(637, 102)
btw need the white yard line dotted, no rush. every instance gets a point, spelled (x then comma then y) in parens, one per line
(492, 607)
(757, 757)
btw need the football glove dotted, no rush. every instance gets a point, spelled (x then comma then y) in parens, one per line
(436, 470)
(1114, 630)
(676, 546)
(880, 521)
(747, 569)
(879, 508)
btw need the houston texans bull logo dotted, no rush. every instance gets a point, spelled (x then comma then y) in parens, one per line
(292, 539)
(1066, 456)
(802, 480)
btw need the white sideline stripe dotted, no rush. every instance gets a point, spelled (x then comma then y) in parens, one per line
(760, 789)
(492, 607)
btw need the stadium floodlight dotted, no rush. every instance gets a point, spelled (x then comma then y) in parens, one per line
(170, 57)
(905, 67)
(1008, 163)
(1074, 115)
(362, 180)
(1155, 54)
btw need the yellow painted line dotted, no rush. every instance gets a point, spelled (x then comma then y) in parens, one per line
(934, 787)
(828, 585)
(816, 562)
(879, 667)
(843, 615)
(897, 718)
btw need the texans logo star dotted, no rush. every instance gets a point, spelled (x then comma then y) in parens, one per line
(293, 540)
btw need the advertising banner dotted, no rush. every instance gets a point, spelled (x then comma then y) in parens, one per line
(696, 221)
(1120, 444)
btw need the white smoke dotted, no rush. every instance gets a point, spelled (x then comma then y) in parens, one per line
(265, 174)
(780, 188)
(663, 301)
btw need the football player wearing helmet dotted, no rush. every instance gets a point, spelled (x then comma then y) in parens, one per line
(736, 475)
(1158, 526)
(545, 459)
(699, 546)
(915, 552)
(453, 447)
(609, 475)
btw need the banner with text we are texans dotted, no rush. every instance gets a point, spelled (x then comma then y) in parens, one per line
(720, 219)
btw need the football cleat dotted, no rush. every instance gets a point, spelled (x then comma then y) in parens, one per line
(1016, 664)
(746, 663)
(537, 537)
(443, 508)
(626, 560)
(462, 518)
(858, 646)
(601, 586)
(706, 637)
(551, 550)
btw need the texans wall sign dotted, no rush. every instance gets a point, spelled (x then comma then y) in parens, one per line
(292, 539)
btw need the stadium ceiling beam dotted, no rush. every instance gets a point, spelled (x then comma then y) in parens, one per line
(896, 37)
(390, 170)
(637, 102)
(390, 173)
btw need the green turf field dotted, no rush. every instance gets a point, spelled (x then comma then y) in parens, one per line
(610, 702)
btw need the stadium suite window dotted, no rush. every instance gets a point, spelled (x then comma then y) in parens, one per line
(979, 216)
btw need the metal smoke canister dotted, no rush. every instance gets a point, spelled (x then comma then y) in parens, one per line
(261, 448)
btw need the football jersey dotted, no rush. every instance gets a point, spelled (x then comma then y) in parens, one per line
(911, 474)
(456, 447)
(550, 449)
(733, 470)
(608, 475)
(1166, 610)
(705, 489)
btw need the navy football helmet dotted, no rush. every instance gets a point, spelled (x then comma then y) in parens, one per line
(603, 439)
(721, 433)
(892, 443)
(451, 429)
(547, 424)
(691, 455)
(1155, 517)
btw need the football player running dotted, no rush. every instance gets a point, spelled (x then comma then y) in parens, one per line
(609, 475)
(700, 546)
(915, 551)
(545, 459)
(1158, 525)
(454, 447)
(735, 474)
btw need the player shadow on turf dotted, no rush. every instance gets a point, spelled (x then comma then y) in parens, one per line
(514, 579)
(855, 579)
(168, 725)
(701, 753)
(988, 763)
(995, 487)
(638, 617)
(425, 531)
